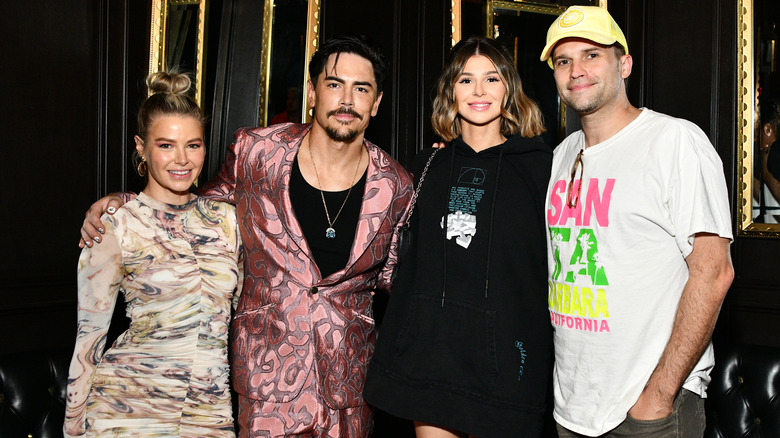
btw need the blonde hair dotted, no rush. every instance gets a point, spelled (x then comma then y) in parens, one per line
(169, 93)
(519, 113)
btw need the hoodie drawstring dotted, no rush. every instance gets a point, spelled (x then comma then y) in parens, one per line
(490, 224)
(444, 227)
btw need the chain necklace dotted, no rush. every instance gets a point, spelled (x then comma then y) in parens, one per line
(330, 232)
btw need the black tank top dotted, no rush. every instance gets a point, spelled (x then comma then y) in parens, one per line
(330, 255)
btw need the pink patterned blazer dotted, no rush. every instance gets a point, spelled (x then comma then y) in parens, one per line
(290, 321)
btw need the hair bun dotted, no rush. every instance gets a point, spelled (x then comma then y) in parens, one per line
(168, 83)
(170, 93)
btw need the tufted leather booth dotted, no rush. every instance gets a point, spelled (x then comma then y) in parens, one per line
(32, 393)
(743, 398)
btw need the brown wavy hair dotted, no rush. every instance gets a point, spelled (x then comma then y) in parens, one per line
(519, 113)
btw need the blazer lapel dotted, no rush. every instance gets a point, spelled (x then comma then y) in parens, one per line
(282, 198)
(377, 200)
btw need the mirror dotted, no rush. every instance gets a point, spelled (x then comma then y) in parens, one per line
(177, 39)
(522, 30)
(290, 38)
(758, 100)
(521, 27)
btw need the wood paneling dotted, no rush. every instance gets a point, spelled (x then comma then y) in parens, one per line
(48, 131)
(66, 89)
(235, 68)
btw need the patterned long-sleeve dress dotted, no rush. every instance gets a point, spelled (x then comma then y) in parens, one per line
(167, 375)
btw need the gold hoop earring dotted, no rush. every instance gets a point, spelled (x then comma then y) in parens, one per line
(142, 168)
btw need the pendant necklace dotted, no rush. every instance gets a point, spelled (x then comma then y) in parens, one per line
(330, 232)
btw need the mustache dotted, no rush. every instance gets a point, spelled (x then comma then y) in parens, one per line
(346, 111)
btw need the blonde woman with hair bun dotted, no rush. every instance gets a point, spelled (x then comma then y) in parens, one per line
(176, 257)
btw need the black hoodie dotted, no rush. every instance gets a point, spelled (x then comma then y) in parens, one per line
(466, 340)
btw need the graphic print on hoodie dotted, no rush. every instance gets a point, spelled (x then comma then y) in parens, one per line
(464, 197)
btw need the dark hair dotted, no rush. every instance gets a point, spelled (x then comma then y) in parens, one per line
(770, 111)
(358, 45)
(619, 50)
(519, 113)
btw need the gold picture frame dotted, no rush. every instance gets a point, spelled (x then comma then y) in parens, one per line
(169, 26)
(493, 6)
(747, 122)
(265, 60)
(455, 28)
(311, 42)
(526, 6)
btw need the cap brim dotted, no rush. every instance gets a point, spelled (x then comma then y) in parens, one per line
(596, 38)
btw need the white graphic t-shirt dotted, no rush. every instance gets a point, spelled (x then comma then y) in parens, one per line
(617, 260)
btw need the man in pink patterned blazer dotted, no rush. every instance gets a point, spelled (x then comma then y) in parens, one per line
(315, 250)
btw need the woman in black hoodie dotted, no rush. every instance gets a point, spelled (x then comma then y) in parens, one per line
(465, 346)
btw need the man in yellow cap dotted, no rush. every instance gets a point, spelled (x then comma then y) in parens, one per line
(638, 252)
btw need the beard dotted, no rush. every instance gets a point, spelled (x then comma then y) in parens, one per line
(344, 136)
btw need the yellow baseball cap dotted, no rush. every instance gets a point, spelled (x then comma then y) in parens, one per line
(588, 22)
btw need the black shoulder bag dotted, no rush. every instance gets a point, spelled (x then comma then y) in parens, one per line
(404, 233)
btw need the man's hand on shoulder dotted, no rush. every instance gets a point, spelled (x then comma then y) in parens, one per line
(92, 227)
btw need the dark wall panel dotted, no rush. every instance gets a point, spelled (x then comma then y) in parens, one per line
(342, 17)
(682, 69)
(49, 70)
(48, 115)
(236, 68)
(422, 42)
(69, 73)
